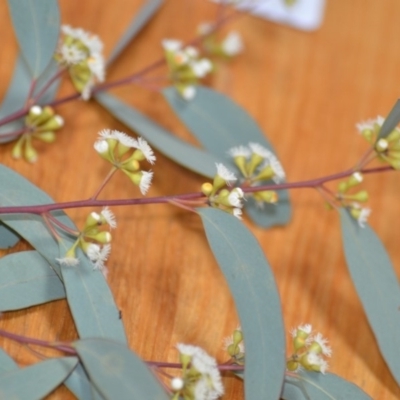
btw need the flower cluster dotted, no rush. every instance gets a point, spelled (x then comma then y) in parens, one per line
(230, 46)
(387, 149)
(257, 164)
(222, 197)
(185, 67)
(352, 201)
(81, 53)
(40, 123)
(94, 242)
(310, 350)
(234, 345)
(125, 153)
(201, 379)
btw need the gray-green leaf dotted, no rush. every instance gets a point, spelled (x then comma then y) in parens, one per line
(8, 238)
(220, 124)
(36, 381)
(117, 372)
(6, 362)
(253, 288)
(391, 121)
(317, 386)
(27, 279)
(138, 23)
(183, 153)
(36, 25)
(377, 286)
(88, 295)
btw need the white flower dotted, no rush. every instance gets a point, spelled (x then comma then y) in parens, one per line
(201, 67)
(92, 42)
(96, 66)
(101, 146)
(189, 92)
(270, 159)
(68, 261)
(239, 151)
(369, 124)
(306, 328)
(71, 55)
(109, 217)
(363, 217)
(171, 45)
(235, 197)
(98, 255)
(228, 176)
(177, 384)
(317, 362)
(237, 212)
(191, 52)
(209, 385)
(147, 151)
(322, 343)
(145, 181)
(232, 44)
(121, 137)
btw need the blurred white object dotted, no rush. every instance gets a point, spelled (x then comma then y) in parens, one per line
(303, 14)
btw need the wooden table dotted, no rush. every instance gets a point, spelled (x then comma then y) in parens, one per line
(307, 91)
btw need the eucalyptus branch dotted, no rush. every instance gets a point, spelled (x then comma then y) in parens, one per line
(312, 183)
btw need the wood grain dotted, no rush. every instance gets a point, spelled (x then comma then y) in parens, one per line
(307, 91)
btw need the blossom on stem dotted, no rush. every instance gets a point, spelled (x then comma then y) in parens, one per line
(232, 44)
(81, 53)
(361, 214)
(126, 153)
(185, 67)
(201, 378)
(41, 124)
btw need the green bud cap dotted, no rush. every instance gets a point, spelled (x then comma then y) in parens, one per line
(237, 336)
(292, 365)
(265, 174)
(93, 220)
(131, 165)
(254, 162)
(52, 124)
(368, 134)
(343, 187)
(17, 149)
(47, 137)
(206, 188)
(30, 153)
(381, 145)
(240, 162)
(393, 136)
(101, 237)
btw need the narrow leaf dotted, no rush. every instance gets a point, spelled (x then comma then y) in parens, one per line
(6, 362)
(36, 381)
(391, 121)
(253, 288)
(316, 386)
(8, 238)
(220, 124)
(139, 21)
(117, 372)
(90, 300)
(183, 153)
(27, 279)
(88, 295)
(15, 98)
(377, 286)
(18, 92)
(36, 25)
(79, 384)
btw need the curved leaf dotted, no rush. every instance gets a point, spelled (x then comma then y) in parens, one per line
(88, 295)
(253, 288)
(90, 299)
(26, 279)
(377, 286)
(79, 384)
(36, 25)
(316, 386)
(36, 381)
(183, 153)
(6, 362)
(8, 238)
(391, 121)
(220, 124)
(18, 92)
(117, 372)
(138, 23)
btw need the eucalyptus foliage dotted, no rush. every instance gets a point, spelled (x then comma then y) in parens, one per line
(100, 364)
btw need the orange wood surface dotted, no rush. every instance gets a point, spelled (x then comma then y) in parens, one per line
(306, 90)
